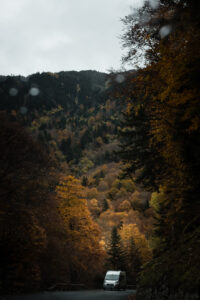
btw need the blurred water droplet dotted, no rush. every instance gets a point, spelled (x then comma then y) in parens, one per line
(34, 91)
(154, 3)
(120, 78)
(23, 110)
(145, 18)
(13, 92)
(165, 30)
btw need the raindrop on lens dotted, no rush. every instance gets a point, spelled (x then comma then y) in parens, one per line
(120, 78)
(144, 19)
(154, 3)
(165, 30)
(13, 92)
(34, 91)
(23, 110)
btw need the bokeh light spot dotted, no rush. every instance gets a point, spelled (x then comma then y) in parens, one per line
(165, 31)
(154, 3)
(13, 92)
(34, 91)
(23, 110)
(120, 78)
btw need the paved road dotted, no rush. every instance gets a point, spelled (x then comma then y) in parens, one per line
(75, 295)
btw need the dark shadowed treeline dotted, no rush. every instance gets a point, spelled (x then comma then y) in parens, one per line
(160, 137)
(26, 206)
(39, 244)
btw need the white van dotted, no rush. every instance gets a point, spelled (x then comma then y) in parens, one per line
(115, 280)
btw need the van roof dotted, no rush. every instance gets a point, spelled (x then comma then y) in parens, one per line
(114, 272)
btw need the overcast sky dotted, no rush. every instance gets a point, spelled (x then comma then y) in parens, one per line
(61, 35)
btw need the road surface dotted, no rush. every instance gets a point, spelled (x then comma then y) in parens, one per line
(75, 295)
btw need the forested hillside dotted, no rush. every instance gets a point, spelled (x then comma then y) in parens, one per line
(65, 111)
(62, 180)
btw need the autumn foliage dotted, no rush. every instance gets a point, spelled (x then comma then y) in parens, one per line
(160, 134)
(83, 234)
(44, 238)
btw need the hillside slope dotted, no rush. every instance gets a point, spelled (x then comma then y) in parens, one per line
(73, 115)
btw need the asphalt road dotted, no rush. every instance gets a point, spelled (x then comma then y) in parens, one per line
(75, 295)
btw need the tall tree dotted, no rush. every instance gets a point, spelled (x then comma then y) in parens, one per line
(116, 255)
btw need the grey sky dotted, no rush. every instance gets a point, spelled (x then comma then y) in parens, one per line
(56, 35)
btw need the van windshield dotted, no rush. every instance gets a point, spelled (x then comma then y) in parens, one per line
(112, 277)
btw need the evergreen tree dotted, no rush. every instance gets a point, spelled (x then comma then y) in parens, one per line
(116, 255)
(84, 181)
(105, 205)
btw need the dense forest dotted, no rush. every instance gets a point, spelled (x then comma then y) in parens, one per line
(160, 142)
(101, 171)
(64, 184)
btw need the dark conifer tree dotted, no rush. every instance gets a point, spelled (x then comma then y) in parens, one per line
(105, 205)
(116, 254)
(84, 181)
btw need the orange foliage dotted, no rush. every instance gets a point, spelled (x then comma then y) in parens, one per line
(83, 233)
(131, 231)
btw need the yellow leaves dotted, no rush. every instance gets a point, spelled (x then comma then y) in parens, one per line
(127, 232)
(94, 203)
(34, 125)
(102, 243)
(94, 207)
(44, 119)
(69, 188)
(85, 164)
(125, 206)
(110, 218)
(72, 206)
(59, 108)
(156, 199)
(128, 108)
(128, 184)
(99, 140)
(131, 231)
(82, 232)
